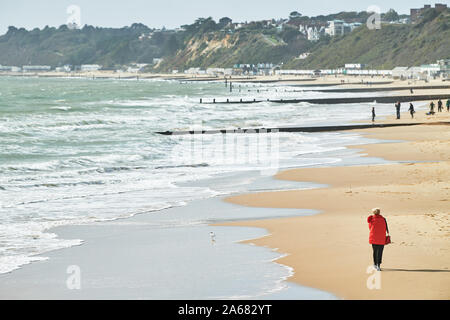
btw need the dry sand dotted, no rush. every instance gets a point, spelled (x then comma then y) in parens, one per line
(330, 250)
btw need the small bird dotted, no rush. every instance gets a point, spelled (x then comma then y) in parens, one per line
(213, 236)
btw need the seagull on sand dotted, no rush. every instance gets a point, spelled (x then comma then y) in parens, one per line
(213, 236)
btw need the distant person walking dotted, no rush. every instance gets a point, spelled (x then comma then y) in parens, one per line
(397, 108)
(431, 107)
(448, 105)
(373, 114)
(440, 106)
(377, 236)
(411, 110)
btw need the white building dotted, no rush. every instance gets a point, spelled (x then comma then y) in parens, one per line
(228, 71)
(265, 68)
(304, 55)
(431, 70)
(313, 34)
(302, 29)
(294, 72)
(335, 27)
(145, 36)
(426, 71)
(408, 73)
(405, 21)
(400, 72)
(195, 71)
(215, 71)
(357, 66)
(66, 68)
(136, 67)
(364, 72)
(340, 27)
(354, 25)
(133, 69)
(90, 67)
(10, 68)
(444, 65)
(35, 68)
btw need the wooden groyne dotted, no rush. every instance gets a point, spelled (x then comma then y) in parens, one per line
(300, 129)
(380, 99)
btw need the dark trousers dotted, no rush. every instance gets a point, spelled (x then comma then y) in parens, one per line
(377, 253)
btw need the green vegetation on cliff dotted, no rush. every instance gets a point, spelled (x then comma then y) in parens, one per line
(109, 47)
(392, 45)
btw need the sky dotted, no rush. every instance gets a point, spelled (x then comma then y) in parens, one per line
(174, 13)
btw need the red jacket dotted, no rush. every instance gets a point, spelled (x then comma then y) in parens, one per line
(377, 227)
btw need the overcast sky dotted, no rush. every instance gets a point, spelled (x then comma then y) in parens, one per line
(173, 13)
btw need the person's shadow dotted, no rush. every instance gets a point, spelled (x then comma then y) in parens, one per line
(416, 270)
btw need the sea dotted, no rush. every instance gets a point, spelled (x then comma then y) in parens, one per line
(84, 151)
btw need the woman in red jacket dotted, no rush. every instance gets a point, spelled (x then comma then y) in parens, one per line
(377, 237)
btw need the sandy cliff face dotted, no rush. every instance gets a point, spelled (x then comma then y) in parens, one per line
(219, 50)
(205, 47)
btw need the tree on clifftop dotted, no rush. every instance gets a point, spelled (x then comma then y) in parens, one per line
(294, 14)
(223, 22)
(391, 15)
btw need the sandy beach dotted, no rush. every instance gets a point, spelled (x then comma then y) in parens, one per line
(330, 250)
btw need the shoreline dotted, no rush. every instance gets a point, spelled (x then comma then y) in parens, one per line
(338, 257)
